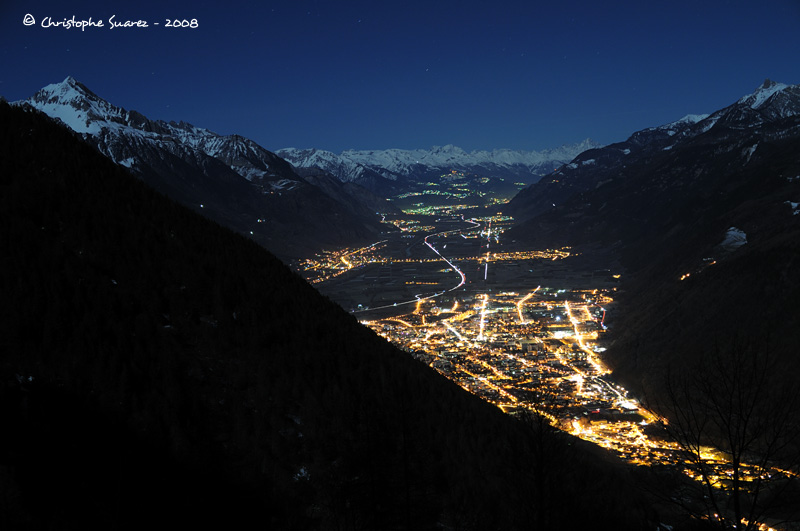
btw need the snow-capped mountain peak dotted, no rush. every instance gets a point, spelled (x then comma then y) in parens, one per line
(770, 101)
(763, 93)
(68, 90)
(74, 104)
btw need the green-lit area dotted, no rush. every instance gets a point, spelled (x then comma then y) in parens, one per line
(453, 192)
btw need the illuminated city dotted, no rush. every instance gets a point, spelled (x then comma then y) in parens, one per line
(445, 288)
(533, 349)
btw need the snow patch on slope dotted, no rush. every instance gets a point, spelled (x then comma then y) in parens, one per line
(748, 152)
(283, 185)
(734, 238)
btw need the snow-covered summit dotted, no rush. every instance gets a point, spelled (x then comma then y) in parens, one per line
(78, 107)
(83, 111)
(769, 102)
(763, 93)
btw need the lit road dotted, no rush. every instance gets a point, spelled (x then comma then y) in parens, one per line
(422, 297)
(522, 302)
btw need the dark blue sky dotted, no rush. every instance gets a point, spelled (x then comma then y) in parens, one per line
(381, 74)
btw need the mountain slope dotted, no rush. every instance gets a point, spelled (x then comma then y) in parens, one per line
(708, 196)
(157, 366)
(229, 178)
(766, 114)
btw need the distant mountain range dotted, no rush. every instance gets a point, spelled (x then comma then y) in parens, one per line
(391, 169)
(228, 178)
(703, 215)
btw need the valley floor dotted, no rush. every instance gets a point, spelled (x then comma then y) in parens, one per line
(521, 328)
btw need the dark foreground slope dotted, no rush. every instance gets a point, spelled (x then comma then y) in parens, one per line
(158, 369)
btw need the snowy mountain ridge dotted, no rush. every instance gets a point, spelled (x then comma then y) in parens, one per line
(78, 107)
(768, 114)
(84, 112)
(399, 164)
(763, 93)
(769, 102)
(396, 159)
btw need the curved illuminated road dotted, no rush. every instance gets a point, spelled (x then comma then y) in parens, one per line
(419, 297)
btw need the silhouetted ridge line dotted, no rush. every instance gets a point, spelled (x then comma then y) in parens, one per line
(157, 367)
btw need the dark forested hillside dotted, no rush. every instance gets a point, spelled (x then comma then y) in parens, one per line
(155, 367)
(702, 215)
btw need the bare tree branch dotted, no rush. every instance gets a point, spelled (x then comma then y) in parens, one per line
(737, 426)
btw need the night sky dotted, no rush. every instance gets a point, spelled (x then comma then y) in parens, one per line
(382, 74)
